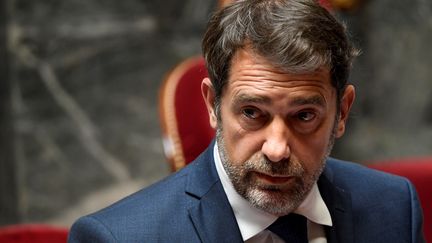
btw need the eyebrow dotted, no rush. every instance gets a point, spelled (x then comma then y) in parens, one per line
(296, 101)
(246, 98)
(313, 100)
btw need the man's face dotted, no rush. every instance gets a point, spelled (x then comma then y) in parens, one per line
(275, 130)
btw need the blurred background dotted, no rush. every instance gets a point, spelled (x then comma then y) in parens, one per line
(79, 94)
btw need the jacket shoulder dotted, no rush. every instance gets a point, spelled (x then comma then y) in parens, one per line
(380, 202)
(362, 181)
(139, 217)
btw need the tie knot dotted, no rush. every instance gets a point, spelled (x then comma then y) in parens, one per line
(291, 228)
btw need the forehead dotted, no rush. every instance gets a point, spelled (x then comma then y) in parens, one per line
(252, 73)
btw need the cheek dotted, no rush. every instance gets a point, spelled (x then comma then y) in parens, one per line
(312, 149)
(239, 145)
(319, 145)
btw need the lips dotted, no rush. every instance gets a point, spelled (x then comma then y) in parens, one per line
(273, 179)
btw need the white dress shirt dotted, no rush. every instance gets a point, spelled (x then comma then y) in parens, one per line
(253, 222)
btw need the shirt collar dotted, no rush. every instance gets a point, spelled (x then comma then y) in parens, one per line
(252, 221)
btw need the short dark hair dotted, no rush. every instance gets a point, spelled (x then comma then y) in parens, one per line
(296, 36)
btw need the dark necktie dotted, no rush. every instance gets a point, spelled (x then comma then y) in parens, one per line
(291, 228)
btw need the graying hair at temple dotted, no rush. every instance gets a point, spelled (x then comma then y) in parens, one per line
(296, 36)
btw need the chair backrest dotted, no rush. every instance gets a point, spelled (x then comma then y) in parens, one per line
(35, 233)
(183, 114)
(419, 172)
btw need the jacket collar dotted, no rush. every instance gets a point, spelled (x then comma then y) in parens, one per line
(339, 204)
(212, 214)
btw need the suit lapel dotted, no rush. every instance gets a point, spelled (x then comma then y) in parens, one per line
(210, 210)
(214, 220)
(339, 204)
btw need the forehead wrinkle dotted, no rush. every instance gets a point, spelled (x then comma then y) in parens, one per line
(267, 77)
(255, 73)
(250, 64)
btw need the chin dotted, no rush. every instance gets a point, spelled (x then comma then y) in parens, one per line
(274, 201)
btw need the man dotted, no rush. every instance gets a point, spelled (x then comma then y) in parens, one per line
(277, 95)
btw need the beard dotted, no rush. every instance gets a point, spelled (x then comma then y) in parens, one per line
(276, 199)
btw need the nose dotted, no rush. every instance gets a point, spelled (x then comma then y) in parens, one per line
(276, 145)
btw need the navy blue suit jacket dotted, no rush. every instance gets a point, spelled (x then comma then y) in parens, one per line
(191, 206)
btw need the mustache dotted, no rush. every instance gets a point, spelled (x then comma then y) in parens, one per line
(286, 167)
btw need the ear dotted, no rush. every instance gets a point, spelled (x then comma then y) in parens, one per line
(208, 94)
(345, 107)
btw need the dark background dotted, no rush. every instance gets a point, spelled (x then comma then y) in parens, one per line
(79, 91)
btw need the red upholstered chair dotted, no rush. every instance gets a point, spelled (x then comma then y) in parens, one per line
(419, 172)
(34, 233)
(183, 114)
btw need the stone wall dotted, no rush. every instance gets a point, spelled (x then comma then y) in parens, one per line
(84, 81)
(80, 127)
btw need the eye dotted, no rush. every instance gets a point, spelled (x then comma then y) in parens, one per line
(307, 121)
(252, 118)
(251, 113)
(306, 116)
